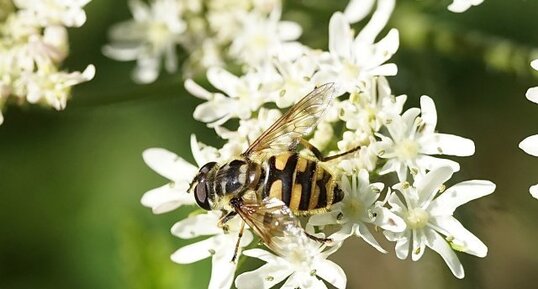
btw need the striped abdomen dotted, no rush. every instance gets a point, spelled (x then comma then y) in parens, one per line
(302, 184)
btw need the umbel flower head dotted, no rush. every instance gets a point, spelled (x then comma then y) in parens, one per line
(33, 44)
(365, 123)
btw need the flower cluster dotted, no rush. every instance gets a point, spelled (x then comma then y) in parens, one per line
(530, 144)
(33, 44)
(212, 32)
(414, 210)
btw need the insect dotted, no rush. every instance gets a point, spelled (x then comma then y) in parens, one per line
(270, 183)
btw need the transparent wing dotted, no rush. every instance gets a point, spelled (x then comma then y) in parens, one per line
(298, 121)
(274, 222)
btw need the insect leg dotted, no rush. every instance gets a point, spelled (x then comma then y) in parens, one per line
(330, 158)
(320, 156)
(226, 216)
(327, 241)
(236, 251)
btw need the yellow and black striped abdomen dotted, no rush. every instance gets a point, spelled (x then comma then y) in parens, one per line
(301, 183)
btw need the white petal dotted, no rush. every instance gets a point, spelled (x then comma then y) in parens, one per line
(197, 90)
(261, 254)
(339, 36)
(167, 198)
(264, 277)
(322, 220)
(389, 69)
(88, 73)
(169, 165)
(428, 186)
(343, 233)
(402, 245)
(387, 220)
(530, 145)
(431, 163)
(303, 280)
(139, 9)
(356, 10)
(121, 53)
(534, 64)
(223, 80)
(194, 252)
(288, 30)
(408, 119)
(396, 203)
(534, 191)
(146, 70)
(446, 144)
(429, 113)
(460, 238)
(362, 231)
(402, 172)
(388, 46)
(419, 244)
(332, 273)
(532, 94)
(377, 22)
(460, 194)
(218, 108)
(202, 154)
(198, 225)
(439, 245)
(222, 272)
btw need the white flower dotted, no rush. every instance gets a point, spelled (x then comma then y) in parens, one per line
(306, 261)
(51, 87)
(250, 129)
(372, 107)
(530, 144)
(353, 59)
(429, 218)
(263, 37)
(152, 34)
(366, 158)
(359, 207)
(54, 12)
(180, 173)
(33, 44)
(220, 246)
(242, 96)
(413, 140)
(294, 79)
(459, 6)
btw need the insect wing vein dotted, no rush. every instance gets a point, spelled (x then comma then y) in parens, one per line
(274, 222)
(298, 121)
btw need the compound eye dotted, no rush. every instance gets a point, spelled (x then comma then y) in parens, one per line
(201, 195)
(207, 167)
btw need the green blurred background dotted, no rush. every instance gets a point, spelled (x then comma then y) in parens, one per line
(71, 181)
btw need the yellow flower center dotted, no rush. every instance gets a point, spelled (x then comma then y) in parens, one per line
(407, 149)
(417, 218)
(158, 34)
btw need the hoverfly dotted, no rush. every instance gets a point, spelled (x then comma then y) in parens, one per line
(269, 184)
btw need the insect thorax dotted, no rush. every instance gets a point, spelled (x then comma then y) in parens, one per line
(233, 179)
